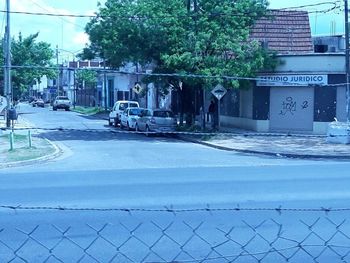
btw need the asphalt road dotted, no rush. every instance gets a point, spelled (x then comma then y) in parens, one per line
(106, 169)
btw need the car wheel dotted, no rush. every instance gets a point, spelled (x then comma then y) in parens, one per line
(54, 108)
(116, 122)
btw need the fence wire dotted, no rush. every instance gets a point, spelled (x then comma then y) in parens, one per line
(310, 237)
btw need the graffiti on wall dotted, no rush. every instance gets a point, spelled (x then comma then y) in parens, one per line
(289, 106)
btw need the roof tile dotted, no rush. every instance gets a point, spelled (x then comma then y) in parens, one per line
(284, 31)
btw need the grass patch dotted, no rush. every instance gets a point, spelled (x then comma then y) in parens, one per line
(26, 153)
(21, 151)
(207, 137)
(17, 137)
(87, 110)
(186, 128)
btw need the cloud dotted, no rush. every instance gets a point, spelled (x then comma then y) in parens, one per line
(62, 31)
(81, 38)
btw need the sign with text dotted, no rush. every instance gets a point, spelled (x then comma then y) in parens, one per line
(3, 103)
(292, 80)
(219, 91)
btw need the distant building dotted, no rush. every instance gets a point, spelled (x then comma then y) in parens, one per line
(304, 93)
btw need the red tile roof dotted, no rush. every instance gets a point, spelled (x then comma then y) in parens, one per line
(287, 32)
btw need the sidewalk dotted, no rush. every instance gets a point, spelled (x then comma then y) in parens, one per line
(292, 146)
(272, 144)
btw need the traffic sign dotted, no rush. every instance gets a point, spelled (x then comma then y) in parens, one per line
(3, 103)
(137, 88)
(219, 91)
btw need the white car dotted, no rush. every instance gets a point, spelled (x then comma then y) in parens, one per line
(156, 121)
(129, 117)
(61, 102)
(118, 108)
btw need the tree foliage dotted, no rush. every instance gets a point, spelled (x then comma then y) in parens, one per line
(33, 57)
(203, 37)
(86, 78)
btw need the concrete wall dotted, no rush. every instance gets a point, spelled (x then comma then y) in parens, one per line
(245, 123)
(341, 103)
(317, 63)
(246, 103)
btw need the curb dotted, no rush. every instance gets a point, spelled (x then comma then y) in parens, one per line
(274, 154)
(57, 152)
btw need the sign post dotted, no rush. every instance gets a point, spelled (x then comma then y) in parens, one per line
(3, 106)
(219, 91)
(3, 103)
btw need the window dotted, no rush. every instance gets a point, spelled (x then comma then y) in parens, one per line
(163, 114)
(123, 106)
(133, 105)
(135, 111)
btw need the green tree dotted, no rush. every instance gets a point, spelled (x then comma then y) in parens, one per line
(181, 37)
(86, 78)
(31, 60)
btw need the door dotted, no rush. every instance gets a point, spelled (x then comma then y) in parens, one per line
(291, 109)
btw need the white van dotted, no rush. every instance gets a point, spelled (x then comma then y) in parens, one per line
(118, 108)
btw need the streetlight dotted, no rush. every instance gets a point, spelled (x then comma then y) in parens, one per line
(73, 53)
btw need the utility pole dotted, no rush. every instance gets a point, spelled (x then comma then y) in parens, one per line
(347, 63)
(104, 90)
(58, 73)
(7, 75)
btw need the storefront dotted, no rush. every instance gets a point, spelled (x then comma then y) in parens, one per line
(303, 95)
(292, 100)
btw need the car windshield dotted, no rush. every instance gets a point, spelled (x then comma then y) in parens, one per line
(62, 98)
(133, 105)
(163, 114)
(135, 111)
(123, 106)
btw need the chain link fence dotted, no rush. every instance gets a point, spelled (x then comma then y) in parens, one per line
(191, 235)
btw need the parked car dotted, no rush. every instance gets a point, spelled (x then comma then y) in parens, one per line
(38, 103)
(129, 117)
(157, 121)
(31, 99)
(118, 108)
(61, 102)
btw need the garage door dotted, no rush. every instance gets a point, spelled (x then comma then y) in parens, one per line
(291, 109)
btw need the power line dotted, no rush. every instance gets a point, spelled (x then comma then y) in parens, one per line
(64, 20)
(311, 5)
(174, 75)
(171, 16)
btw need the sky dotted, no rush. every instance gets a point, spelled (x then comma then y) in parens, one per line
(68, 32)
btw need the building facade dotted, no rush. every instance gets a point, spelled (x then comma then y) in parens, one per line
(303, 95)
(307, 89)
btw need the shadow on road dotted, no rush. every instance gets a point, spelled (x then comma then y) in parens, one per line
(103, 135)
